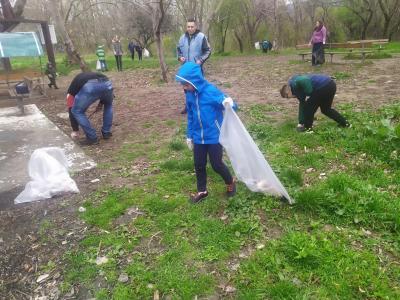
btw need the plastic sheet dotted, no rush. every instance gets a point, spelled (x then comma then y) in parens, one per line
(48, 169)
(247, 161)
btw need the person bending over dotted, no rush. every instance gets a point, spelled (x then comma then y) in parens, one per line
(313, 91)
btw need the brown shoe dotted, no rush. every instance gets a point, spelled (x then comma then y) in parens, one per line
(197, 198)
(231, 189)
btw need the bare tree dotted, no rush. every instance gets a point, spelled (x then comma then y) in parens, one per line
(158, 12)
(72, 52)
(390, 9)
(363, 9)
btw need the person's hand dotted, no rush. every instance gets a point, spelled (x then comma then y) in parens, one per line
(189, 143)
(309, 44)
(198, 61)
(227, 101)
(182, 59)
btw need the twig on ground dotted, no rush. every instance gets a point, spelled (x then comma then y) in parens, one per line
(151, 238)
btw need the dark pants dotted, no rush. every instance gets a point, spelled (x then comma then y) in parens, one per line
(318, 54)
(214, 152)
(322, 98)
(103, 65)
(74, 122)
(52, 79)
(133, 55)
(118, 59)
(139, 53)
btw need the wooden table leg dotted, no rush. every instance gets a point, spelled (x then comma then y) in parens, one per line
(20, 104)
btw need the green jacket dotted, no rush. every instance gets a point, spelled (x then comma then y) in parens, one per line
(101, 54)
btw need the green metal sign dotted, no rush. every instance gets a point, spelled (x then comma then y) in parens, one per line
(20, 44)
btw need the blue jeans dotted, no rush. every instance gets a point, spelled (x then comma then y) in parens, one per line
(92, 91)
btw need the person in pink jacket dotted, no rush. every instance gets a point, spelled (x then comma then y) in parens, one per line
(318, 40)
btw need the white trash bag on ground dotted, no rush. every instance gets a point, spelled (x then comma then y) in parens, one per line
(247, 161)
(48, 169)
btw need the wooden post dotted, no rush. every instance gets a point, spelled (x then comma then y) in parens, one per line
(47, 41)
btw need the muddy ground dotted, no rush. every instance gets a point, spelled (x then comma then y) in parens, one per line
(141, 99)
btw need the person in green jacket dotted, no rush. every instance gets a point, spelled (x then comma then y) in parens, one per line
(101, 56)
(313, 91)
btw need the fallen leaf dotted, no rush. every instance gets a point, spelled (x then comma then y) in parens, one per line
(101, 260)
(260, 246)
(230, 289)
(156, 295)
(42, 277)
(123, 277)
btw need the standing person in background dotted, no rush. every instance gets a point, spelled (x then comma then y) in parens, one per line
(101, 56)
(318, 40)
(131, 48)
(193, 46)
(139, 51)
(117, 49)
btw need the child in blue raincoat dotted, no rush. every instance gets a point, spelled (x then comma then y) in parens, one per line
(205, 104)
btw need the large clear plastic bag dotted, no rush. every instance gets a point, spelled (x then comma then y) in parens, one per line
(48, 169)
(247, 161)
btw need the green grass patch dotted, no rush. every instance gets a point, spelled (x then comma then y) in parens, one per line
(339, 241)
(308, 265)
(341, 75)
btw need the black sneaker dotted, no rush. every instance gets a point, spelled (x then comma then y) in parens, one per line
(88, 142)
(346, 125)
(304, 129)
(231, 189)
(183, 111)
(197, 198)
(107, 135)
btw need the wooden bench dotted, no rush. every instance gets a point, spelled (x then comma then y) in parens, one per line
(362, 47)
(35, 89)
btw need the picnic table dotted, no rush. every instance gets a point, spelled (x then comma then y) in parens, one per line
(34, 90)
(362, 47)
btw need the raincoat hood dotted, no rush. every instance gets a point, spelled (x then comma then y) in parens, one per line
(191, 73)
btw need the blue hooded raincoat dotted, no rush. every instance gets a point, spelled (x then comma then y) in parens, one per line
(204, 105)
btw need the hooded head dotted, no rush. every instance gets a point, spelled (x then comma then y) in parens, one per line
(191, 73)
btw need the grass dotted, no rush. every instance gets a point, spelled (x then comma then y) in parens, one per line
(339, 241)
(63, 68)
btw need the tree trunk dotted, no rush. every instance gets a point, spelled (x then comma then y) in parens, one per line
(73, 55)
(158, 10)
(239, 40)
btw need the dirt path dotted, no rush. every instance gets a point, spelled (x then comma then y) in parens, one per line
(142, 106)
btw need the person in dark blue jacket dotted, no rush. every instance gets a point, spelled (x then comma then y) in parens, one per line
(320, 90)
(205, 104)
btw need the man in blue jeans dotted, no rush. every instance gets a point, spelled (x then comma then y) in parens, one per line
(87, 88)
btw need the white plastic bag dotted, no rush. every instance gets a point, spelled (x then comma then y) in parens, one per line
(146, 53)
(257, 45)
(98, 65)
(48, 169)
(247, 160)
